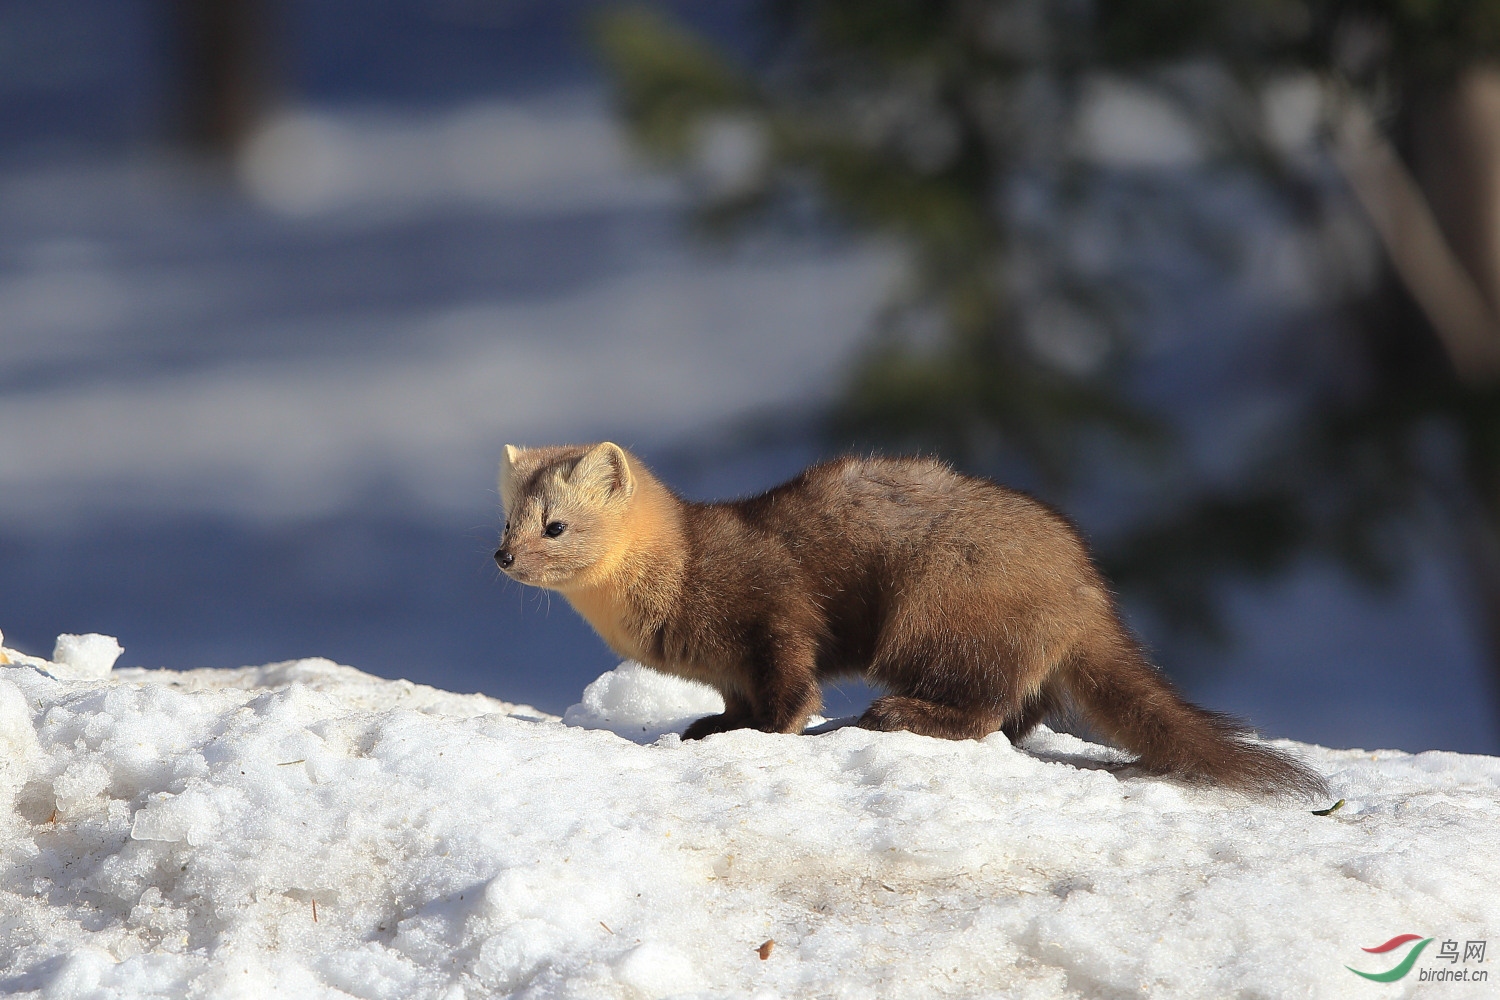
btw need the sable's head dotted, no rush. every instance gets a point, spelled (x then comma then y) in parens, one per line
(564, 510)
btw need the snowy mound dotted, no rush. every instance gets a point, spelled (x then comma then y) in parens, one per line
(642, 705)
(305, 830)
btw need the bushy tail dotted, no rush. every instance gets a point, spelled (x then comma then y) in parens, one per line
(1131, 704)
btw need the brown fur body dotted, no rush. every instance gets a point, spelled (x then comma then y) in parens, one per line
(976, 607)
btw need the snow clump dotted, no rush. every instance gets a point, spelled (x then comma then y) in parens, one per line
(85, 657)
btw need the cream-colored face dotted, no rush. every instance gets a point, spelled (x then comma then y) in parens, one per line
(564, 511)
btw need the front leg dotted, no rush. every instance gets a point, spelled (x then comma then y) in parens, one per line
(783, 692)
(784, 683)
(737, 714)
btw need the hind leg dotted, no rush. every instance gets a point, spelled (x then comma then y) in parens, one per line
(952, 671)
(941, 687)
(1032, 713)
(927, 718)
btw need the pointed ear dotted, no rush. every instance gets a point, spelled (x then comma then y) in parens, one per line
(605, 470)
(510, 476)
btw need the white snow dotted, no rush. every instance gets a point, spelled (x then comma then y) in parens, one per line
(641, 705)
(1122, 124)
(85, 657)
(306, 830)
(564, 151)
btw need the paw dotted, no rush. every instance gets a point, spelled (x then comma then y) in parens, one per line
(893, 713)
(883, 718)
(710, 724)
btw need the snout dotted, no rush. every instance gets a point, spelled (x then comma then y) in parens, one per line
(504, 558)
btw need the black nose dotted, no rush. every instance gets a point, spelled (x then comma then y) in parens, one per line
(504, 558)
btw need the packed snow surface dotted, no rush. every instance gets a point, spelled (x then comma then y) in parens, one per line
(306, 830)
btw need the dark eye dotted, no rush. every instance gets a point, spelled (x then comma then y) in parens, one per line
(507, 526)
(554, 528)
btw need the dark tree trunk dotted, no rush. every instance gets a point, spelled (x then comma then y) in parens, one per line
(1456, 146)
(1482, 551)
(223, 70)
(1456, 152)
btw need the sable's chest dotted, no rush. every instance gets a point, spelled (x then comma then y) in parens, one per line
(606, 613)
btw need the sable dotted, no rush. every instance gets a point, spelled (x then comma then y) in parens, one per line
(976, 607)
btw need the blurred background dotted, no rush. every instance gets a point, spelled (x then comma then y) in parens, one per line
(1219, 278)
